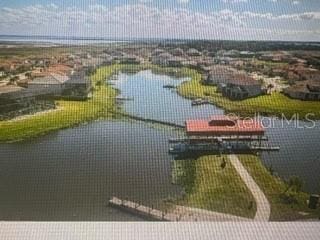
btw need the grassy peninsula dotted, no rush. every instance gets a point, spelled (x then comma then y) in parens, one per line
(209, 185)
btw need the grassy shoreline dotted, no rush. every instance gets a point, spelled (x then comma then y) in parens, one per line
(273, 187)
(266, 105)
(209, 186)
(71, 113)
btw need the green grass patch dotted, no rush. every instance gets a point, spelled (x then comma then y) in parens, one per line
(269, 105)
(273, 187)
(209, 186)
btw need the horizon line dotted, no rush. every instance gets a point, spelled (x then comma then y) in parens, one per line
(151, 38)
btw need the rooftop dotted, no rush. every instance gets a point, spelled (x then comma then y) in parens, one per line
(10, 89)
(52, 78)
(223, 125)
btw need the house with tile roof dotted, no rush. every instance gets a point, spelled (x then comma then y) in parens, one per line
(233, 83)
(50, 84)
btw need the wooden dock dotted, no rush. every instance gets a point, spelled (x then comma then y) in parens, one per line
(142, 211)
(177, 214)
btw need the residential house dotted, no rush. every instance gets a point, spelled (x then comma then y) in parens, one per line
(304, 90)
(130, 59)
(178, 52)
(219, 74)
(78, 85)
(234, 84)
(51, 84)
(193, 52)
(14, 98)
(176, 62)
(241, 86)
(162, 59)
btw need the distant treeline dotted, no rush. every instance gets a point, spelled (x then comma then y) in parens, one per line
(216, 45)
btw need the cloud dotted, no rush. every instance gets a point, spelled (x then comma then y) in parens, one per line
(234, 1)
(294, 2)
(141, 20)
(183, 1)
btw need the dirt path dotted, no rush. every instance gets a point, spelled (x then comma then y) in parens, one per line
(263, 205)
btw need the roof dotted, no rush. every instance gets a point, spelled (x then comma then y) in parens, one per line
(78, 78)
(224, 125)
(10, 89)
(50, 79)
(305, 86)
(232, 76)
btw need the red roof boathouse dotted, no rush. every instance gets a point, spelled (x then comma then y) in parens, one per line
(224, 126)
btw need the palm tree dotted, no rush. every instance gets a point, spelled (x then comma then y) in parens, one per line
(269, 87)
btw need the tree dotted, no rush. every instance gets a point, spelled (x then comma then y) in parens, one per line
(270, 87)
(294, 184)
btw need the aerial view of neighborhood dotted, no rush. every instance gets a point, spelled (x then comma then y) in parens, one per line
(145, 128)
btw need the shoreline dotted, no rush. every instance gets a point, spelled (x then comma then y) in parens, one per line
(23, 117)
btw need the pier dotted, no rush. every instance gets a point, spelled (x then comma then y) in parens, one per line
(153, 121)
(178, 214)
(142, 211)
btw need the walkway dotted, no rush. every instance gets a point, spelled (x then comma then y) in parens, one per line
(178, 214)
(189, 214)
(263, 205)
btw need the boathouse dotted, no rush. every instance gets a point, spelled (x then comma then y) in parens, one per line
(222, 134)
(219, 126)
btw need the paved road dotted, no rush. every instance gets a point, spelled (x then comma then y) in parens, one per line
(263, 205)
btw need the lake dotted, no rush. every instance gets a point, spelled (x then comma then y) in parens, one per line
(70, 175)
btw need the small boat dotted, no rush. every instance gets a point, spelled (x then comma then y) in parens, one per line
(199, 101)
(169, 86)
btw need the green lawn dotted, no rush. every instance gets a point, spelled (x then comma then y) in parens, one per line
(209, 186)
(70, 113)
(271, 105)
(273, 187)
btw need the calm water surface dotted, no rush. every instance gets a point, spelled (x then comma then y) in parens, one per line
(71, 174)
(300, 147)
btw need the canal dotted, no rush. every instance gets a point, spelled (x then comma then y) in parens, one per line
(69, 175)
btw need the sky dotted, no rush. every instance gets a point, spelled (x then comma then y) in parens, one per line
(292, 20)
